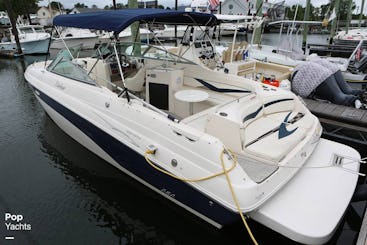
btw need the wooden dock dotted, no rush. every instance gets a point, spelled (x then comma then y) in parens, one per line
(333, 50)
(339, 48)
(342, 122)
(9, 53)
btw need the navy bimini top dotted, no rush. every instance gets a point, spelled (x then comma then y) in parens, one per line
(118, 20)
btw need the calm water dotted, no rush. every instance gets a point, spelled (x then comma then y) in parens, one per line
(70, 196)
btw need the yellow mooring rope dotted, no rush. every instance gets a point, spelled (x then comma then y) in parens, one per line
(234, 196)
(148, 152)
(225, 172)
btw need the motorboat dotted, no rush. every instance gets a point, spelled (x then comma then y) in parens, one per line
(289, 54)
(229, 25)
(74, 37)
(353, 70)
(168, 32)
(33, 40)
(4, 18)
(350, 36)
(216, 144)
(240, 24)
(125, 35)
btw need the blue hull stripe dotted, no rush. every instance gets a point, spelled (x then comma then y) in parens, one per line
(254, 114)
(220, 90)
(136, 164)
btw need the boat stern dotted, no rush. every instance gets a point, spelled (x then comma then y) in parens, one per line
(309, 208)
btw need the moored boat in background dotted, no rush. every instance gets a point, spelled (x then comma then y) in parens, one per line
(4, 18)
(33, 40)
(74, 37)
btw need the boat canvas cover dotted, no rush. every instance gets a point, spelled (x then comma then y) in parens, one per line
(118, 20)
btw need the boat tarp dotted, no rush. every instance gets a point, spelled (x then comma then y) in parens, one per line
(118, 20)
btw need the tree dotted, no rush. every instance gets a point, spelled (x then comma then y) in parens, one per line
(342, 12)
(120, 6)
(80, 5)
(20, 7)
(56, 5)
(2, 5)
(324, 10)
(23, 7)
(292, 11)
(344, 9)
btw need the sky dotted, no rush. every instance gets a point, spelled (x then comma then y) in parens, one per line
(170, 3)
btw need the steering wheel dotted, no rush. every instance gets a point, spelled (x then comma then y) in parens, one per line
(123, 60)
(206, 51)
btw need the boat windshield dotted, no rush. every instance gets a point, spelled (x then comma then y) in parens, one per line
(26, 30)
(39, 29)
(145, 51)
(65, 66)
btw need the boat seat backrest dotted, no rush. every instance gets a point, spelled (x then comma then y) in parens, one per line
(99, 71)
(253, 110)
(263, 137)
(256, 108)
(278, 104)
(250, 122)
(136, 83)
(274, 111)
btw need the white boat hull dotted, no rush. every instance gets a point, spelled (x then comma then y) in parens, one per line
(87, 42)
(4, 21)
(84, 140)
(170, 33)
(125, 36)
(28, 47)
(120, 133)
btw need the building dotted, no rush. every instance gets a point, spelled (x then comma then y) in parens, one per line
(236, 7)
(46, 12)
(83, 10)
(275, 11)
(45, 15)
(148, 4)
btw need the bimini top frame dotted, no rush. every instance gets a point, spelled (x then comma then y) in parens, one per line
(118, 20)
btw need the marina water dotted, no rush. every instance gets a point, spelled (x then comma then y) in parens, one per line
(70, 196)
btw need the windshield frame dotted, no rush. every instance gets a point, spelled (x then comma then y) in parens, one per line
(129, 49)
(62, 58)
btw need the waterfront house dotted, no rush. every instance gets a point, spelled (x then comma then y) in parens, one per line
(46, 14)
